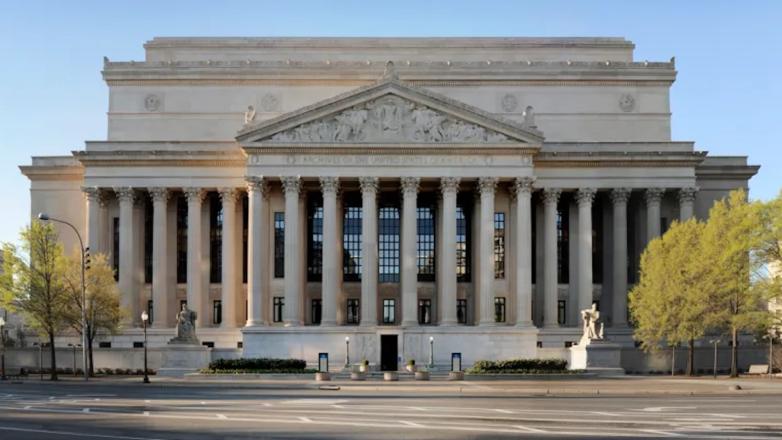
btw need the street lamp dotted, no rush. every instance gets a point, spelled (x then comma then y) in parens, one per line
(144, 319)
(770, 336)
(347, 351)
(431, 352)
(715, 342)
(74, 357)
(40, 357)
(2, 350)
(45, 217)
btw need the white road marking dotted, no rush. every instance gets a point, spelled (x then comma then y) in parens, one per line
(417, 408)
(147, 401)
(203, 403)
(413, 424)
(305, 419)
(85, 410)
(27, 407)
(666, 408)
(663, 433)
(607, 414)
(221, 416)
(504, 411)
(76, 434)
(266, 404)
(338, 406)
(146, 413)
(528, 429)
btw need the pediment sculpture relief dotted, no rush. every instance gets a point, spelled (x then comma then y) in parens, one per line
(390, 119)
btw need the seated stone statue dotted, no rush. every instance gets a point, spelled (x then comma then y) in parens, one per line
(593, 328)
(185, 327)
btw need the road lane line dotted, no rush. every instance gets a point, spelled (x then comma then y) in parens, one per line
(504, 411)
(413, 424)
(528, 429)
(417, 408)
(663, 433)
(221, 416)
(305, 419)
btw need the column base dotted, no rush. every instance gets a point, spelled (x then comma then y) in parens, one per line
(328, 323)
(489, 324)
(255, 323)
(525, 324)
(549, 325)
(448, 323)
(293, 323)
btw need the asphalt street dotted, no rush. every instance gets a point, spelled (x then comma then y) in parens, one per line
(117, 410)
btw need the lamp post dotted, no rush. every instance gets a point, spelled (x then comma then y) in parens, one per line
(2, 349)
(45, 217)
(40, 357)
(347, 351)
(74, 357)
(715, 342)
(431, 352)
(770, 336)
(144, 319)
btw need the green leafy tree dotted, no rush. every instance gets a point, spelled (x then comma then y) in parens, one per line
(668, 304)
(103, 300)
(31, 283)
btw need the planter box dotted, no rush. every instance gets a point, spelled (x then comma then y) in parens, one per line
(358, 376)
(456, 375)
(390, 376)
(421, 375)
(322, 377)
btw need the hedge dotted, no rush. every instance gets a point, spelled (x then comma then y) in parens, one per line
(519, 366)
(259, 364)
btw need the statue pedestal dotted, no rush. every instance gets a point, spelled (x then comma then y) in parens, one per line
(597, 356)
(180, 359)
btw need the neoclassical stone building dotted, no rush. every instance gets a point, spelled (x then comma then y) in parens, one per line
(298, 191)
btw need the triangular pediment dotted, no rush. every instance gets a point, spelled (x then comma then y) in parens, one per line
(389, 112)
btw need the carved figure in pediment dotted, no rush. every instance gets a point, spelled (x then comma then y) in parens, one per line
(349, 125)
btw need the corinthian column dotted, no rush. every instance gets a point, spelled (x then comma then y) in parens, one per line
(585, 197)
(291, 186)
(619, 198)
(332, 262)
(409, 266)
(686, 203)
(196, 298)
(369, 251)
(653, 197)
(550, 282)
(161, 297)
(523, 247)
(487, 186)
(94, 208)
(129, 295)
(449, 186)
(228, 198)
(256, 249)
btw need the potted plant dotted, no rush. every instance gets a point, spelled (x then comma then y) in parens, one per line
(364, 366)
(410, 367)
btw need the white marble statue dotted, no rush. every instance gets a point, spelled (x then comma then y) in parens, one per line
(593, 328)
(249, 115)
(185, 327)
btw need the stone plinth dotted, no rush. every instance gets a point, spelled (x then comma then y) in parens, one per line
(597, 356)
(179, 359)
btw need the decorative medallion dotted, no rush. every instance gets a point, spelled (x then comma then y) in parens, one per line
(509, 103)
(627, 102)
(152, 103)
(270, 102)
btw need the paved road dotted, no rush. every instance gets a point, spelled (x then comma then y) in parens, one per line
(205, 411)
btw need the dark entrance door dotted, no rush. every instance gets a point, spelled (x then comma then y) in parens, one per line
(388, 353)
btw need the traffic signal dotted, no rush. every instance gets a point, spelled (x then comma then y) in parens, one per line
(87, 258)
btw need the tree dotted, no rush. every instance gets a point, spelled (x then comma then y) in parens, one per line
(668, 303)
(102, 310)
(31, 282)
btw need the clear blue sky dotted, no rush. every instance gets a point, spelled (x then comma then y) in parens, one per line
(727, 97)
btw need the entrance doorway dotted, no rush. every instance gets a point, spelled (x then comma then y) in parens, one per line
(388, 353)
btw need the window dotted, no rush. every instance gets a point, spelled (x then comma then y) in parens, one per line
(279, 245)
(181, 239)
(317, 309)
(388, 244)
(217, 312)
(215, 238)
(499, 245)
(353, 311)
(461, 311)
(425, 242)
(150, 311)
(351, 239)
(115, 249)
(279, 304)
(148, 239)
(499, 309)
(315, 241)
(463, 239)
(563, 241)
(424, 311)
(389, 311)
(561, 312)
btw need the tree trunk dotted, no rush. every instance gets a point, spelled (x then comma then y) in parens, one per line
(54, 359)
(734, 352)
(691, 358)
(91, 367)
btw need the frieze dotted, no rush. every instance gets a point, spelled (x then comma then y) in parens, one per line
(385, 160)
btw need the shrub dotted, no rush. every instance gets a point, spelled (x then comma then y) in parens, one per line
(258, 364)
(365, 362)
(411, 362)
(519, 366)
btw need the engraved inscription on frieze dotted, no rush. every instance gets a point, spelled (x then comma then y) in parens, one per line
(388, 160)
(390, 119)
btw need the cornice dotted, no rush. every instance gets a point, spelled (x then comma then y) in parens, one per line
(391, 149)
(618, 159)
(49, 173)
(235, 158)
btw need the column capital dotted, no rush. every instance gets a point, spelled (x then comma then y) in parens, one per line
(688, 194)
(228, 195)
(585, 196)
(449, 185)
(551, 195)
(653, 195)
(410, 185)
(620, 195)
(290, 184)
(194, 194)
(329, 185)
(523, 186)
(125, 194)
(257, 183)
(488, 185)
(368, 184)
(93, 193)
(159, 194)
